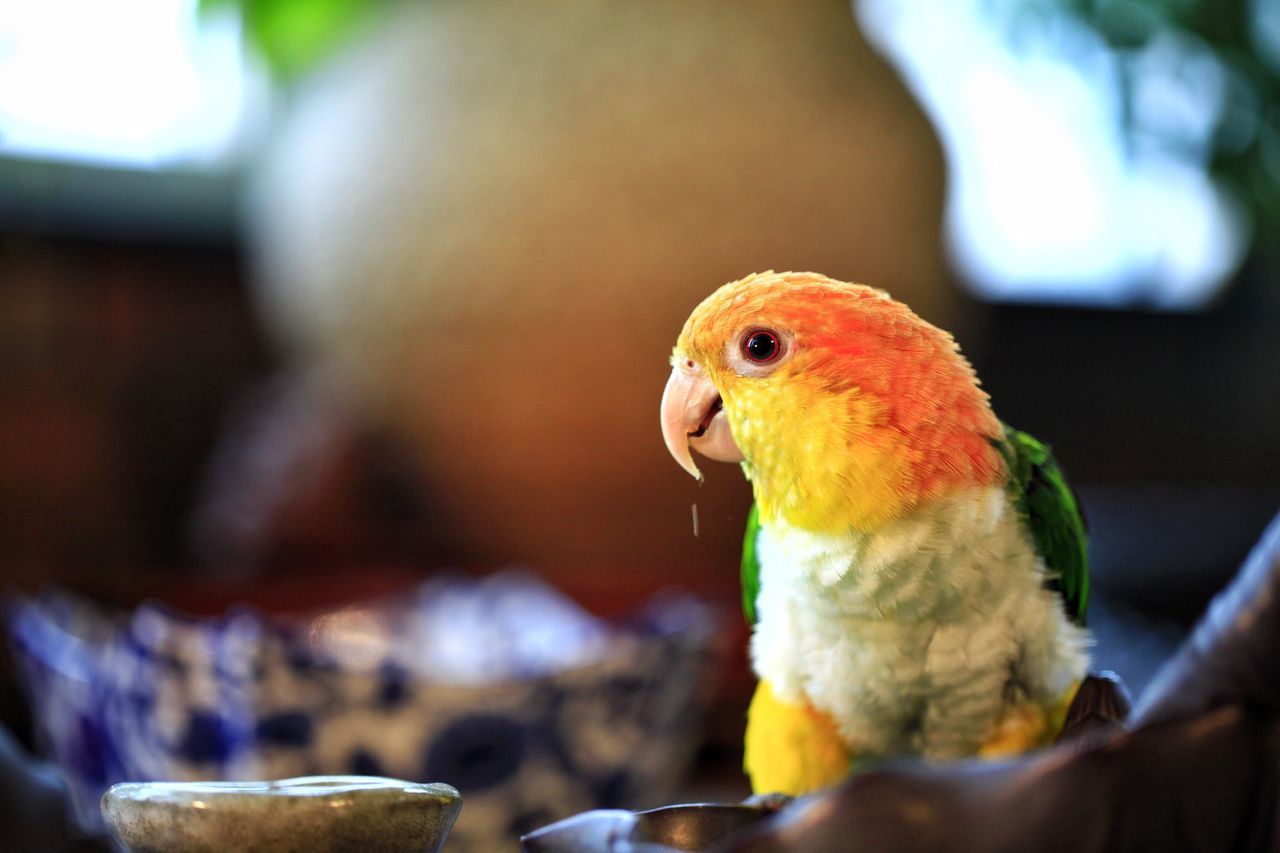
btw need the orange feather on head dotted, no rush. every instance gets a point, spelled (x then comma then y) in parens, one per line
(872, 411)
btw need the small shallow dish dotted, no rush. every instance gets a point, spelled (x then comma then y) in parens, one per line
(315, 814)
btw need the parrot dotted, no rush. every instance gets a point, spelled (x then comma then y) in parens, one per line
(914, 570)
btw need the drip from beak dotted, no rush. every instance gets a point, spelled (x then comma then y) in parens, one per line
(693, 416)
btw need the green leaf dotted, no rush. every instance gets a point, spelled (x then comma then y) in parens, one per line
(294, 36)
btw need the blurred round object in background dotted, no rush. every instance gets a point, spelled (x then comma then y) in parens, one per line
(491, 220)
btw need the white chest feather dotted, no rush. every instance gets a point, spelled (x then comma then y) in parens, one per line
(914, 637)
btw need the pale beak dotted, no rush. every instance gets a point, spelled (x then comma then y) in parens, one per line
(693, 416)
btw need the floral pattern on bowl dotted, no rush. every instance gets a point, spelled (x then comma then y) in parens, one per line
(500, 687)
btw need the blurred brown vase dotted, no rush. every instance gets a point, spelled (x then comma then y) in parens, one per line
(491, 218)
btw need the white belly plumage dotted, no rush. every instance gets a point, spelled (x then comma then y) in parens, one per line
(915, 637)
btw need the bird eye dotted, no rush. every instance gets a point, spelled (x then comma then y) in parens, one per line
(761, 346)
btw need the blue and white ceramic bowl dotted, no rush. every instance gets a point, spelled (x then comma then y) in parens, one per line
(502, 688)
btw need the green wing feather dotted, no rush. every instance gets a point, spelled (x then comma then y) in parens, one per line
(1050, 510)
(751, 566)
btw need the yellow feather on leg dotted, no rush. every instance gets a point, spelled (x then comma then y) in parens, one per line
(795, 749)
(1027, 726)
(791, 749)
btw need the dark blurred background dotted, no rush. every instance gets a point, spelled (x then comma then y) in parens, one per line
(302, 301)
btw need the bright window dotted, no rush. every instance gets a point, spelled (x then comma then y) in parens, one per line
(1051, 197)
(130, 83)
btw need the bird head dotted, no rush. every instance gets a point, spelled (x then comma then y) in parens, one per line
(844, 407)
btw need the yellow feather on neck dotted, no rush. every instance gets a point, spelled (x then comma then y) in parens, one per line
(824, 467)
